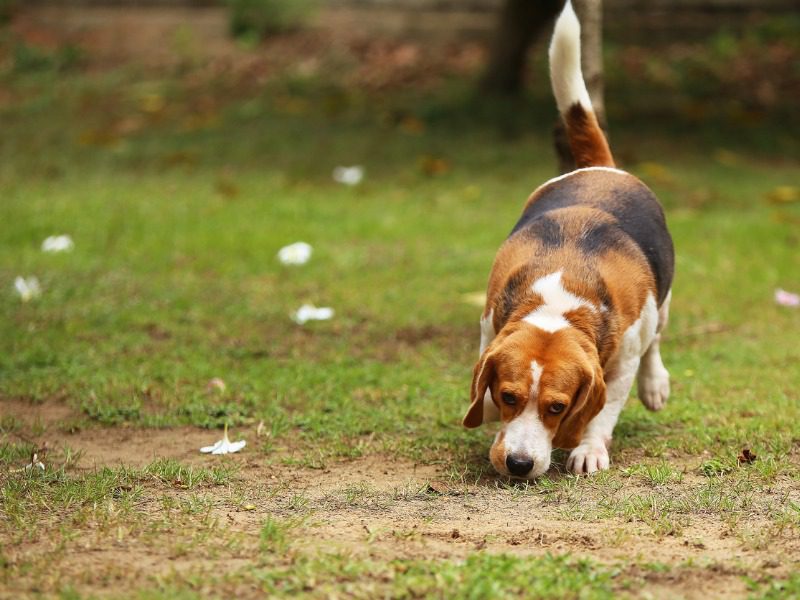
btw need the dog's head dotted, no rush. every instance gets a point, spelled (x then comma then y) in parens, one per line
(546, 386)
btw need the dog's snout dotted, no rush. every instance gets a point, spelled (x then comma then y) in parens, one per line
(519, 465)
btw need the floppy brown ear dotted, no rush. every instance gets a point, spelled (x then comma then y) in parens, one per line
(591, 398)
(482, 376)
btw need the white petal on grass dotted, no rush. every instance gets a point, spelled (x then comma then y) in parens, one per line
(224, 446)
(785, 298)
(217, 384)
(58, 243)
(28, 288)
(349, 175)
(295, 254)
(309, 312)
(35, 463)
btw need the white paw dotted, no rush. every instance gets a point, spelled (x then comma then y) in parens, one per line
(654, 387)
(588, 457)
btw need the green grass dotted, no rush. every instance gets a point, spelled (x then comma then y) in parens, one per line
(174, 281)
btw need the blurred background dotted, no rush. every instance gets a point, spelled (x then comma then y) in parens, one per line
(672, 66)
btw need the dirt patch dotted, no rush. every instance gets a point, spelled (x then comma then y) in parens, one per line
(61, 428)
(375, 507)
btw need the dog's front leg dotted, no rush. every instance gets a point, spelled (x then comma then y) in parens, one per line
(592, 453)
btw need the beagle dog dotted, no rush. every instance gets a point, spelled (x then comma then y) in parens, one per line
(578, 295)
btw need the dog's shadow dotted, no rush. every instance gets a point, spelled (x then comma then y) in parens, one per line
(475, 469)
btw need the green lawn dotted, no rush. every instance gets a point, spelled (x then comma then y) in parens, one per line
(178, 200)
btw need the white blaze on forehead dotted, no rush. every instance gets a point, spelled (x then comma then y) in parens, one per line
(536, 376)
(557, 301)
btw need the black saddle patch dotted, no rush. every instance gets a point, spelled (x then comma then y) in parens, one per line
(544, 229)
(637, 213)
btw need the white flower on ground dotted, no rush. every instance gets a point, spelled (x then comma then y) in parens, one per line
(785, 298)
(216, 384)
(295, 254)
(28, 288)
(348, 175)
(224, 446)
(309, 312)
(35, 463)
(58, 243)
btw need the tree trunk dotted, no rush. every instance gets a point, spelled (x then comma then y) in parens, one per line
(521, 22)
(590, 13)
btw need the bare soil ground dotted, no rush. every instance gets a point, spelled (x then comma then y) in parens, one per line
(372, 507)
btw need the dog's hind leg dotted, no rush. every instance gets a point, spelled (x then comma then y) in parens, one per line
(653, 376)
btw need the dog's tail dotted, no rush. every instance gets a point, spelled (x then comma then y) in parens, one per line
(586, 138)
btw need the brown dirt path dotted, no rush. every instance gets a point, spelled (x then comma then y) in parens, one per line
(372, 507)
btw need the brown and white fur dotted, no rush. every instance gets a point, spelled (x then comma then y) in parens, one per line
(577, 298)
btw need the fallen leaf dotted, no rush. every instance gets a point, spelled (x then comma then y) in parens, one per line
(783, 194)
(656, 173)
(441, 489)
(746, 457)
(411, 124)
(432, 165)
(226, 187)
(727, 158)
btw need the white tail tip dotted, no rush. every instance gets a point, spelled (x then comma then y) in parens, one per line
(565, 62)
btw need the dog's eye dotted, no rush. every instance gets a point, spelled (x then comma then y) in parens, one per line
(509, 398)
(556, 408)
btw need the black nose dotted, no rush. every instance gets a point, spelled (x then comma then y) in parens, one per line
(519, 466)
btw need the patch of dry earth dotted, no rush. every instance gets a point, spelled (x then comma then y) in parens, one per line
(372, 507)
